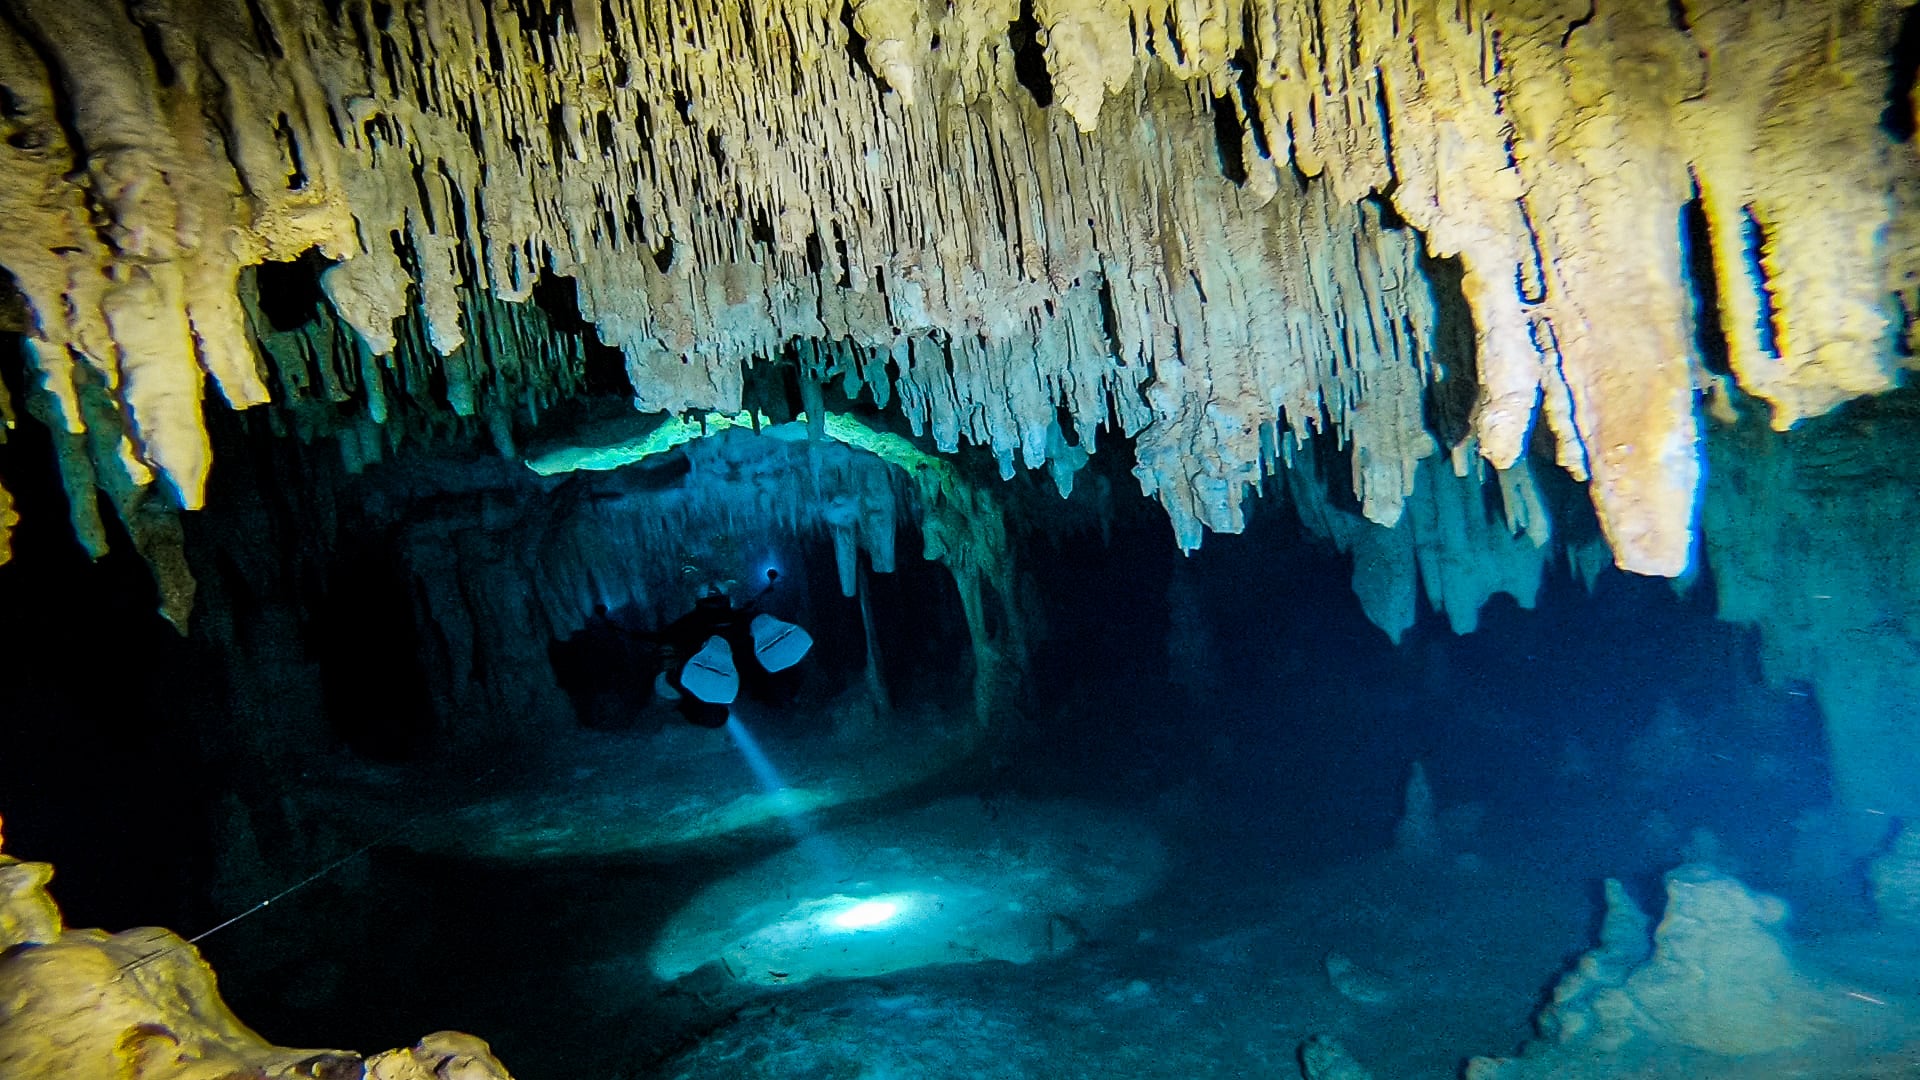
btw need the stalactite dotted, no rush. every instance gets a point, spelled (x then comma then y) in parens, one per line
(874, 671)
(1038, 214)
(1448, 542)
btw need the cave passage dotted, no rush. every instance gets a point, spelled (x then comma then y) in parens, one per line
(1219, 780)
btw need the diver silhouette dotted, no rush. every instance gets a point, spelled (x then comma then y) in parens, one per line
(714, 646)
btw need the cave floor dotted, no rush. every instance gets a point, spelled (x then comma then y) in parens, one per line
(1212, 978)
(669, 794)
(1221, 972)
(1207, 979)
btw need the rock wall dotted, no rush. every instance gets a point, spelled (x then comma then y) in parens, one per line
(1810, 539)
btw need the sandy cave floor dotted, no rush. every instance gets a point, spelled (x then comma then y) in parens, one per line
(1192, 984)
(1220, 972)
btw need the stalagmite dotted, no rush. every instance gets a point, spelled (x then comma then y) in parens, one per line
(1624, 946)
(1417, 834)
(1717, 980)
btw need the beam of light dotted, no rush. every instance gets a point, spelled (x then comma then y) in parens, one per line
(817, 846)
(756, 758)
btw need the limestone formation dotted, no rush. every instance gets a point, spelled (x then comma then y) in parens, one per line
(1717, 980)
(725, 181)
(142, 1004)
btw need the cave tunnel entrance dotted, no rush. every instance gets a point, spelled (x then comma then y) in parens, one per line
(901, 640)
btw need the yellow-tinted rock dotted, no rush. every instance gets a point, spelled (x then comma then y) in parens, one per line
(143, 1005)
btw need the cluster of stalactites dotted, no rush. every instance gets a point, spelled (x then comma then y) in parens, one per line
(1455, 543)
(511, 367)
(721, 179)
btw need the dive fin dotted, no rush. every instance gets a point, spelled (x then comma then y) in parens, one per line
(778, 645)
(710, 675)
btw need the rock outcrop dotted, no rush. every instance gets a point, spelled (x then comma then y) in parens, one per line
(143, 1005)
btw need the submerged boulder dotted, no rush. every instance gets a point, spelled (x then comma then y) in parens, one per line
(1355, 983)
(1323, 1058)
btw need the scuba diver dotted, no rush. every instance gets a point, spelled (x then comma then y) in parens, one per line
(708, 646)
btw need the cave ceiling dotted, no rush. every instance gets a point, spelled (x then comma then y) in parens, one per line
(1212, 228)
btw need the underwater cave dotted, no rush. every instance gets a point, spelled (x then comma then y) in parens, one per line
(604, 538)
